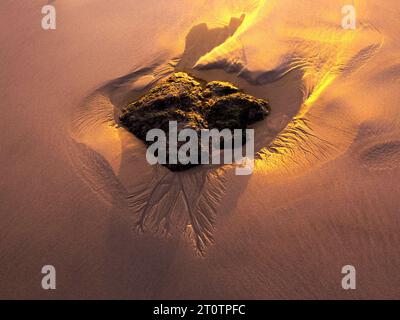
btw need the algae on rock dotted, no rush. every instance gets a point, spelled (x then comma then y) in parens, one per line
(194, 105)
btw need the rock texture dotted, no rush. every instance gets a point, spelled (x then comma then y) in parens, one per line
(193, 104)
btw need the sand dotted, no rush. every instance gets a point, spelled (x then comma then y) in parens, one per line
(77, 193)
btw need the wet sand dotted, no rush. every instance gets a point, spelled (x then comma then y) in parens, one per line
(323, 195)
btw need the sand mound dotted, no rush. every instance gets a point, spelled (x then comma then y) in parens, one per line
(324, 193)
(382, 156)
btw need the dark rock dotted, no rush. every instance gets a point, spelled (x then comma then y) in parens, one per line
(236, 111)
(218, 88)
(194, 105)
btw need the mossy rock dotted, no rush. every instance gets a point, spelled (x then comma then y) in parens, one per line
(193, 104)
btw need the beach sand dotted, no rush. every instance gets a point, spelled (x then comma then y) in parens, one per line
(75, 186)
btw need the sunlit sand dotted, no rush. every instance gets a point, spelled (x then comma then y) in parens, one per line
(78, 193)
